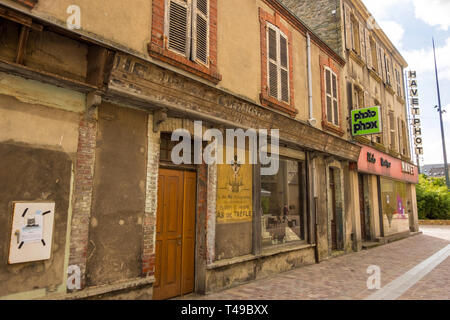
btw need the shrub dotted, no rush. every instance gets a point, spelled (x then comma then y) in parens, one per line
(433, 199)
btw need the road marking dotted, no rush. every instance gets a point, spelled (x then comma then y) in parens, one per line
(403, 283)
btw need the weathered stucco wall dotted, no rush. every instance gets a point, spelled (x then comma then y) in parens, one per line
(127, 23)
(38, 142)
(232, 275)
(115, 235)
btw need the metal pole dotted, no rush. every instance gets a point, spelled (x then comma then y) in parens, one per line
(447, 179)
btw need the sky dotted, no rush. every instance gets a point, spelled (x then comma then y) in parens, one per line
(411, 24)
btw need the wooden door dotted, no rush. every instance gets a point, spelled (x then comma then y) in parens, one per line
(362, 207)
(175, 234)
(334, 215)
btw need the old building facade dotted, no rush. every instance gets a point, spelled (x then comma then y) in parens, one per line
(88, 116)
(374, 76)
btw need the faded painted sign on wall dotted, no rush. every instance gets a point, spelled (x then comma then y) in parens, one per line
(234, 193)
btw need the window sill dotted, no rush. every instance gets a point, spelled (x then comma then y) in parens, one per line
(267, 252)
(332, 128)
(401, 100)
(390, 89)
(375, 75)
(183, 63)
(278, 105)
(357, 58)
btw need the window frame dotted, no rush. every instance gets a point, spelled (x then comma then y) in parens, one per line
(333, 99)
(279, 34)
(266, 99)
(303, 198)
(327, 62)
(158, 45)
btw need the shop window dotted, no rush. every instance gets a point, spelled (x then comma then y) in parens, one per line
(283, 204)
(395, 205)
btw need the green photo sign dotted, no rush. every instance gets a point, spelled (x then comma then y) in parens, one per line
(366, 121)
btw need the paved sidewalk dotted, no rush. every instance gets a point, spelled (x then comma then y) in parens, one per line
(345, 277)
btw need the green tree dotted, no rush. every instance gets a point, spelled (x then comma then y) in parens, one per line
(433, 198)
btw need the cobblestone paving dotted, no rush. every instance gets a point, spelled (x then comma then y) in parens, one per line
(345, 277)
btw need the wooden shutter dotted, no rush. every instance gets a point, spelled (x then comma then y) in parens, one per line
(272, 61)
(335, 98)
(178, 26)
(331, 96)
(383, 64)
(380, 66)
(284, 68)
(278, 64)
(200, 31)
(348, 27)
(368, 49)
(362, 40)
(392, 128)
(328, 96)
(388, 69)
(366, 99)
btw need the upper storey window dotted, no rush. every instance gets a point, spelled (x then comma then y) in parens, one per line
(277, 64)
(331, 93)
(184, 34)
(187, 28)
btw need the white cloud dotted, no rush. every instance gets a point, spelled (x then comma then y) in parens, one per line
(394, 31)
(422, 60)
(381, 8)
(433, 12)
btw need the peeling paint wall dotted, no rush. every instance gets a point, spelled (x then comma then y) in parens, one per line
(37, 148)
(219, 278)
(115, 235)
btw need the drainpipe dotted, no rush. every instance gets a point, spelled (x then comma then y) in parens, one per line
(311, 119)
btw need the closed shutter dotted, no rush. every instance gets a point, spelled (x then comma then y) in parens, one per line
(179, 26)
(200, 31)
(348, 27)
(331, 97)
(367, 102)
(383, 64)
(388, 70)
(272, 61)
(278, 64)
(362, 40)
(380, 66)
(284, 69)
(335, 99)
(368, 49)
(392, 129)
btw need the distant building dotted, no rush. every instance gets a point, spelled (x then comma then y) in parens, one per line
(434, 170)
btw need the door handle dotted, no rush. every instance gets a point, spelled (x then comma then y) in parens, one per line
(179, 240)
